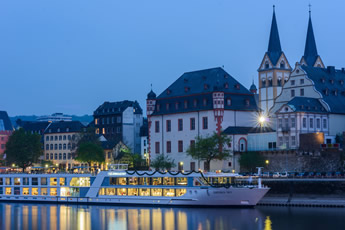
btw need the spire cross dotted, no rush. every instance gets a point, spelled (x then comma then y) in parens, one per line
(274, 7)
(151, 86)
(309, 9)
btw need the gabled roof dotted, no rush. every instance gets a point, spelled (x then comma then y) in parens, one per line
(274, 50)
(306, 104)
(5, 122)
(310, 51)
(108, 144)
(240, 130)
(38, 127)
(65, 127)
(108, 108)
(194, 83)
(330, 83)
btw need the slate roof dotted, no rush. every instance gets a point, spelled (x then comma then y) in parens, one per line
(5, 122)
(65, 127)
(240, 130)
(37, 127)
(274, 50)
(108, 144)
(306, 104)
(331, 85)
(310, 51)
(144, 129)
(198, 86)
(108, 108)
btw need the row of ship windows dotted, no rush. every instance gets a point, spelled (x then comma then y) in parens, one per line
(141, 192)
(60, 146)
(60, 137)
(53, 181)
(64, 191)
(171, 181)
(180, 124)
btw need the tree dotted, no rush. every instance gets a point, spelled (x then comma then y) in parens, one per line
(134, 160)
(163, 162)
(251, 160)
(23, 148)
(90, 152)
(210, 148)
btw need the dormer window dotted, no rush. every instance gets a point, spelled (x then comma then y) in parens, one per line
(267, 65)
(341, 82)
(228, 102)
(282, 65)
(226, 85)
(331, 81)
(167, 106)
(158, 107)
(186, 89)
(226, 76)
(247, 102)
(205, 86)
(58, 130)
(204, 101)
(237, 86)
(322, 80)
(67, 129)
(186, 104)
(168, 91)
(326, 92)
(335, 92)
(195, 103)
(185, 80)
(176, 105)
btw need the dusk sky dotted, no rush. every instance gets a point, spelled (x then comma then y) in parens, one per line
(72, 55)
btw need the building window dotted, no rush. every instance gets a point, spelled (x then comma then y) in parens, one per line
(192, 143)
(180, 124)
(287, 142)
(60, 146)
(292, 82)
(64, 146)
(118, 119)
(311, 123)
(282, 65)
(286, 121)
(204, 101)
(55, 146)
(157, 147)
(318, 123)
(168, 146)
(69, 156)
(204, 123)
(270, 83)
(293, 141)
(325, 123)
(293, 122)
(103, 130)
(157, 126)
(186, 104)
(301, 81)
(47, 156)
(267, 65)
(47, 138)
(180, 146)
(64, 156)
(118, 129)
(168, 128)
(144, 142)
(51, 156)
(263, 82)
(192, 166)
(69, 146)
(56, 138)
(302, 92)
(304, 122)
(292, 93)
(56, 156)
(280, 139)
(51, 138)
(177, 105)
(47, 147)
(192, 123)
(280, 123)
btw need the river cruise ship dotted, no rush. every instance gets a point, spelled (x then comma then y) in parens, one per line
(131, 188)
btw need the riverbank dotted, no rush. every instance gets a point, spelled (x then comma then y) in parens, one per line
(303, 200)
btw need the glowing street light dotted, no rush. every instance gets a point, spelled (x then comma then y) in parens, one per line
(267, 162)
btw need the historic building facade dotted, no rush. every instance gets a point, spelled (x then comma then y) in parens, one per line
(120, 121)
(198, 103)
(6, 130)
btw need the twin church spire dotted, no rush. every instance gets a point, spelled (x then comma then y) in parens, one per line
(274, 50)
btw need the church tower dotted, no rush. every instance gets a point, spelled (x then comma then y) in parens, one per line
(311, 57)
(274, 70)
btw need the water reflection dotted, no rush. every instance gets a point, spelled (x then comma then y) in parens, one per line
(41, 216)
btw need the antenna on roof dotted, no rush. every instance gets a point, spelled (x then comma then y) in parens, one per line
(309, 10)
(151, 86)
(274, 8)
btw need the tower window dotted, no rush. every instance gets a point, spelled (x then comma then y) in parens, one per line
(267, 65)
(282, 65)
(292, 93)
(279, 82)
(263, 82)
(302, 92)
(270, 82)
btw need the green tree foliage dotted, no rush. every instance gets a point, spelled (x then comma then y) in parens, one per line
(162, 162)
(90, 152)
(134, 161)
(23, 148)
(210, 148)
(251, 160)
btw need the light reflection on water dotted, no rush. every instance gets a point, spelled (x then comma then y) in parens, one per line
(56, 217)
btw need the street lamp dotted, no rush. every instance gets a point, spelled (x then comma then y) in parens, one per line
(267, 162)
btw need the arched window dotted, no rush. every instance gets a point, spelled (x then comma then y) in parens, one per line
(47, 156)
(64, 137)
(56, 156)
(60, 156)
(270, 82)
(69, 137)
(56, 146)
(64, 156)
(64, 146)
(242, 144)
(282, 65)
(279, 82)
(69, 156)
(60, 146)
(69, 146)
(263, 82)
(47, 147)
(60, 138)
(51, 156)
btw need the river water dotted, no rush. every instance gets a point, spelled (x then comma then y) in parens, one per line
(50, 216)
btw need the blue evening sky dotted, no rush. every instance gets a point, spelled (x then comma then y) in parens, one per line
(72, 55)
